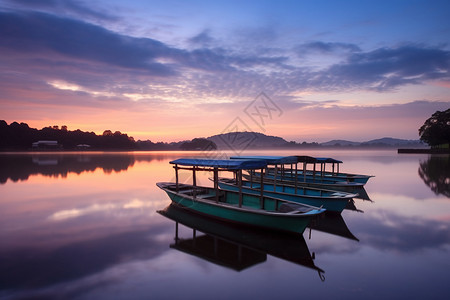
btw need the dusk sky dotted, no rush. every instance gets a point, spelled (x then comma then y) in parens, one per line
(175, 70)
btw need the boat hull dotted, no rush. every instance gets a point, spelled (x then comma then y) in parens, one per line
(248, 214)
(335, 201)
(332, 177)
(331, 185)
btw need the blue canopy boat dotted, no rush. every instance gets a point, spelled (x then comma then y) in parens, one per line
(331, 200)
(290, 175)
(334, 201)
(236, 206)
(333, 174)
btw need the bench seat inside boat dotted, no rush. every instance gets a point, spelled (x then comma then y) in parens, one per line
(337, 194)
(292, 208)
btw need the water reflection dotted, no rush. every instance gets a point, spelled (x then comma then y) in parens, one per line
(435, 172)
(332, 223)
(391, 231)
(19, 167)
(34, 266)
(237, 247)
(97, 235)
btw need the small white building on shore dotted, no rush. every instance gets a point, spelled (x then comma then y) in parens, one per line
(46, 145)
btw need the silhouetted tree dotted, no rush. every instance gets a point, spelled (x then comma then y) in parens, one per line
(107, 133)
(436, 129)
(20, 137)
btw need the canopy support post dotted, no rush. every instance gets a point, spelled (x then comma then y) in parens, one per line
(314, 173)
(216, 183)
(275, 179)
(239, 174)
(296, 178)
(304, 172)
(177, 188)
(194, 183)
(262, 189)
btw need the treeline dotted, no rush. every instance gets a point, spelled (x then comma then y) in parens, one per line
(19, 136)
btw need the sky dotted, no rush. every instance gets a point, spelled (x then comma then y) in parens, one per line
(174, 70)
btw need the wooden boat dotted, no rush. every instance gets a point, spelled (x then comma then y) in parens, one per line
(236, 206)
(285, 169)
(331, 200)
(334, 174)
(236, 247)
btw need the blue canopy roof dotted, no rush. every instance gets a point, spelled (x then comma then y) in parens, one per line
(328, 160)
(228, 164)
(270, 160)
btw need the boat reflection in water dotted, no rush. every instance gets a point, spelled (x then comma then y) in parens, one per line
(332, 223)
(362, 194)
(234, 246)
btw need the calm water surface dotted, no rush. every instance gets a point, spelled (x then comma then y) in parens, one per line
(85, 226)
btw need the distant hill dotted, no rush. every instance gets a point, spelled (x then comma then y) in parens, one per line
(383, 142)
(340, 143)
(393, 142)
(244, 140)
(256, 140)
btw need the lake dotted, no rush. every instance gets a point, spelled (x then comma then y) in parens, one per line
(86, 226)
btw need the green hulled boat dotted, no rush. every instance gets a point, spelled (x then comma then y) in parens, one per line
(236, 206)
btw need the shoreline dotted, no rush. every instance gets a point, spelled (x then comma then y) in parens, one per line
(425, 151)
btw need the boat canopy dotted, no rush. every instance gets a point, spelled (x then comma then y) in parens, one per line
(310, 159)
(270, 160)
(328, 160)
(228, 164)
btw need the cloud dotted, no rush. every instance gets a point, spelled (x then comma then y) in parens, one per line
(203, 39)
(45, 49)
(76, 51)
(388, 68)
(68, 7)
(326, 47)
(381, 70)
(43, 33)
(326, 120)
